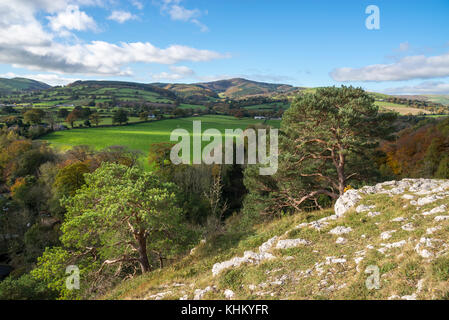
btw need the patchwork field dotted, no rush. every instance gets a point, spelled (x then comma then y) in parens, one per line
(141, 136)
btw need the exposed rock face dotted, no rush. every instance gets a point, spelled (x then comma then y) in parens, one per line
(340, 230)
(413, 225)
(346, 201)
(229, 294)
(291, 243)
(431, 190)
(249, 257)
(199, 293)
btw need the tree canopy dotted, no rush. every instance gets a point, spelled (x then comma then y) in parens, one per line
(328, 140)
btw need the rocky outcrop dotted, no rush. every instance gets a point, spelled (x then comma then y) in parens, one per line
(405, 224)
(249, 257)
(431, 189)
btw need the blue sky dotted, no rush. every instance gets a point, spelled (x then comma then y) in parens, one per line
(303, 43)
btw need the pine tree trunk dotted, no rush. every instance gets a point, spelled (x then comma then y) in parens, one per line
(143, 256)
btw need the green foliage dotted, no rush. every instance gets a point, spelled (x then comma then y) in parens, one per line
(36, 238)
(25, 288)
(328, 141)
(51, 270)
(33, 116)
(120, 116)
(70, 178)
(443, 169)
(125, 213)
(27, 193)
(28, 163)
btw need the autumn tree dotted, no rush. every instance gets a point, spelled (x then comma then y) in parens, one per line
(33, 116)
(143, 115)
(71, 118)
(70, 178)
(95, 118)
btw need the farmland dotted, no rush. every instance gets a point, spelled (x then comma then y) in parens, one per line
(400, 108)
(95, 93)
(141, 136)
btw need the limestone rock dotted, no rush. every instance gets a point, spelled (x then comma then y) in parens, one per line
(291, 243)
(340, 230)
(346, 202)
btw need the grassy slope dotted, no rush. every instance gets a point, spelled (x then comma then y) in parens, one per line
(287, 276)
(443, 99)
(400, 108)
(8, 86)
(141, 136)
(82, 92)
(230, 88)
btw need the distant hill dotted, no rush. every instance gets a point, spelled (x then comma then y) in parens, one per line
(122, 85)
(191, 91)
(91, 93)
(231, 88)
(238, 87)
(437, 98)
(9, 86)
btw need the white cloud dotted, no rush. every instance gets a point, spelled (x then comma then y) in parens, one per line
(25, 43)
(177, 12)
(72, 19)
(183, 70)
(177, 73)
(404, 46)
(138, 4)
(427, 87)
(121, 16)
(99, 57)
(203, 27)
(407, 68)
(180, 13)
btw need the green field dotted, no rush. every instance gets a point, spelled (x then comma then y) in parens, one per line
(400, 108)
(191, 106)
(268, 106)
(141, 136)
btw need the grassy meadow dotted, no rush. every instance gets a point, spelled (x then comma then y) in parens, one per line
(400, 108)
(141, 136)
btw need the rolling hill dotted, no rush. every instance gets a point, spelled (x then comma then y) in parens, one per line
(190, 91)
(23, 91)
(9, 86)
(238, 87)
(232, 88)
(94, 92)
